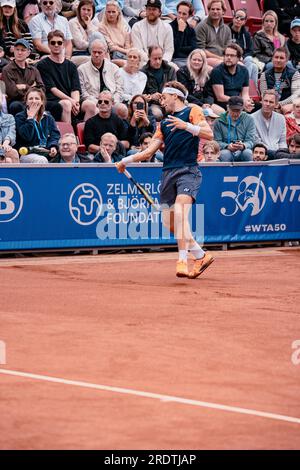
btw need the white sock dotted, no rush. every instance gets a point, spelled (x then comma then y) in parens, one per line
(196, 250)
(183, 255)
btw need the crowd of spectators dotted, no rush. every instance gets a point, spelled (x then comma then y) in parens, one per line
(105, 63)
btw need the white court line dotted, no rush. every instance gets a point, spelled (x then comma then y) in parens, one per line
(155, 396)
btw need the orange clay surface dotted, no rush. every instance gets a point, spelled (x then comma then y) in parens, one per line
(126, 321)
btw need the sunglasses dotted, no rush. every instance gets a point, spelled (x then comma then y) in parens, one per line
(49, 2)
(56, 43)
(242, 18)
(103, 101)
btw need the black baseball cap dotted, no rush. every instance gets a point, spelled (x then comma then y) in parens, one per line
(236, 102)
(154, 4)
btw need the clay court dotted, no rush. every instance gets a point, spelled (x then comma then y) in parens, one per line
(115, 352)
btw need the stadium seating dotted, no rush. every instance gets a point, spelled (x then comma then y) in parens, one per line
(80, 134)
(67, 128)
(64, 128)
(253, 91)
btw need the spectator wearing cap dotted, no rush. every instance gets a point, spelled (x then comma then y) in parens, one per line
(293, 43)
(231, 79)
(210, 116)
(235, 132)
(283, 79)
(212, 34)
(47, 21)
(270, 126)
(184, 34)
(152, 31)
(19, 76)
(13, 28)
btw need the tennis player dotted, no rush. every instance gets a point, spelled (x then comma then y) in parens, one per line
(180, 132)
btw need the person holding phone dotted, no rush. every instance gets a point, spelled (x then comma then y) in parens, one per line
(140, 121)
(235, 132)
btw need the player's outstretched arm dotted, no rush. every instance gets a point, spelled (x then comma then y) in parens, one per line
(140, 156)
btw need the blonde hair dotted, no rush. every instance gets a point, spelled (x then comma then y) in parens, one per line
(202, 76)
(121, 23)
(274, 15)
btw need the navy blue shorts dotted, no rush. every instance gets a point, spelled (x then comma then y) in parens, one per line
(186, 180)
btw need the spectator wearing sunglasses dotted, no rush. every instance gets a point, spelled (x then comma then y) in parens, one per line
(62, 84)
(105, 121)
(242, 37)
(45, 22)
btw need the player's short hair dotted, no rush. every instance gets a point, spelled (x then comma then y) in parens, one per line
(178, 86)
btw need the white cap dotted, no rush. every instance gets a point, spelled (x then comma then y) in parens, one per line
(8, 3)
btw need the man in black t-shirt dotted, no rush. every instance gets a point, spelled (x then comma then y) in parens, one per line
(105, 121)
(61, 80)
(231, 79)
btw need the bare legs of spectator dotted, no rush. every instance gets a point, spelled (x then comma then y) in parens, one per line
(12, 156)
(66, 110)
(89, 108)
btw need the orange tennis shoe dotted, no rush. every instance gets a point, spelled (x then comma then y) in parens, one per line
(182, 269)
(200, 265)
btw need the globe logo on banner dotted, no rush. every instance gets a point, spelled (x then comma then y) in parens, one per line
(11, 200)
(85, 204)
(251, 193)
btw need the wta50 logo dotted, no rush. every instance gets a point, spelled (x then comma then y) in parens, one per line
(251, 194)
(11, 200)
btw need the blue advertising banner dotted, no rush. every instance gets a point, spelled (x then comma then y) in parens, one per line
(66, 206)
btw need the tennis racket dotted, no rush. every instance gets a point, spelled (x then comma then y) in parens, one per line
(141, 189)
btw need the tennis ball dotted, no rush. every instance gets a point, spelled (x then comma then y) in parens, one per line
(23, 151)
